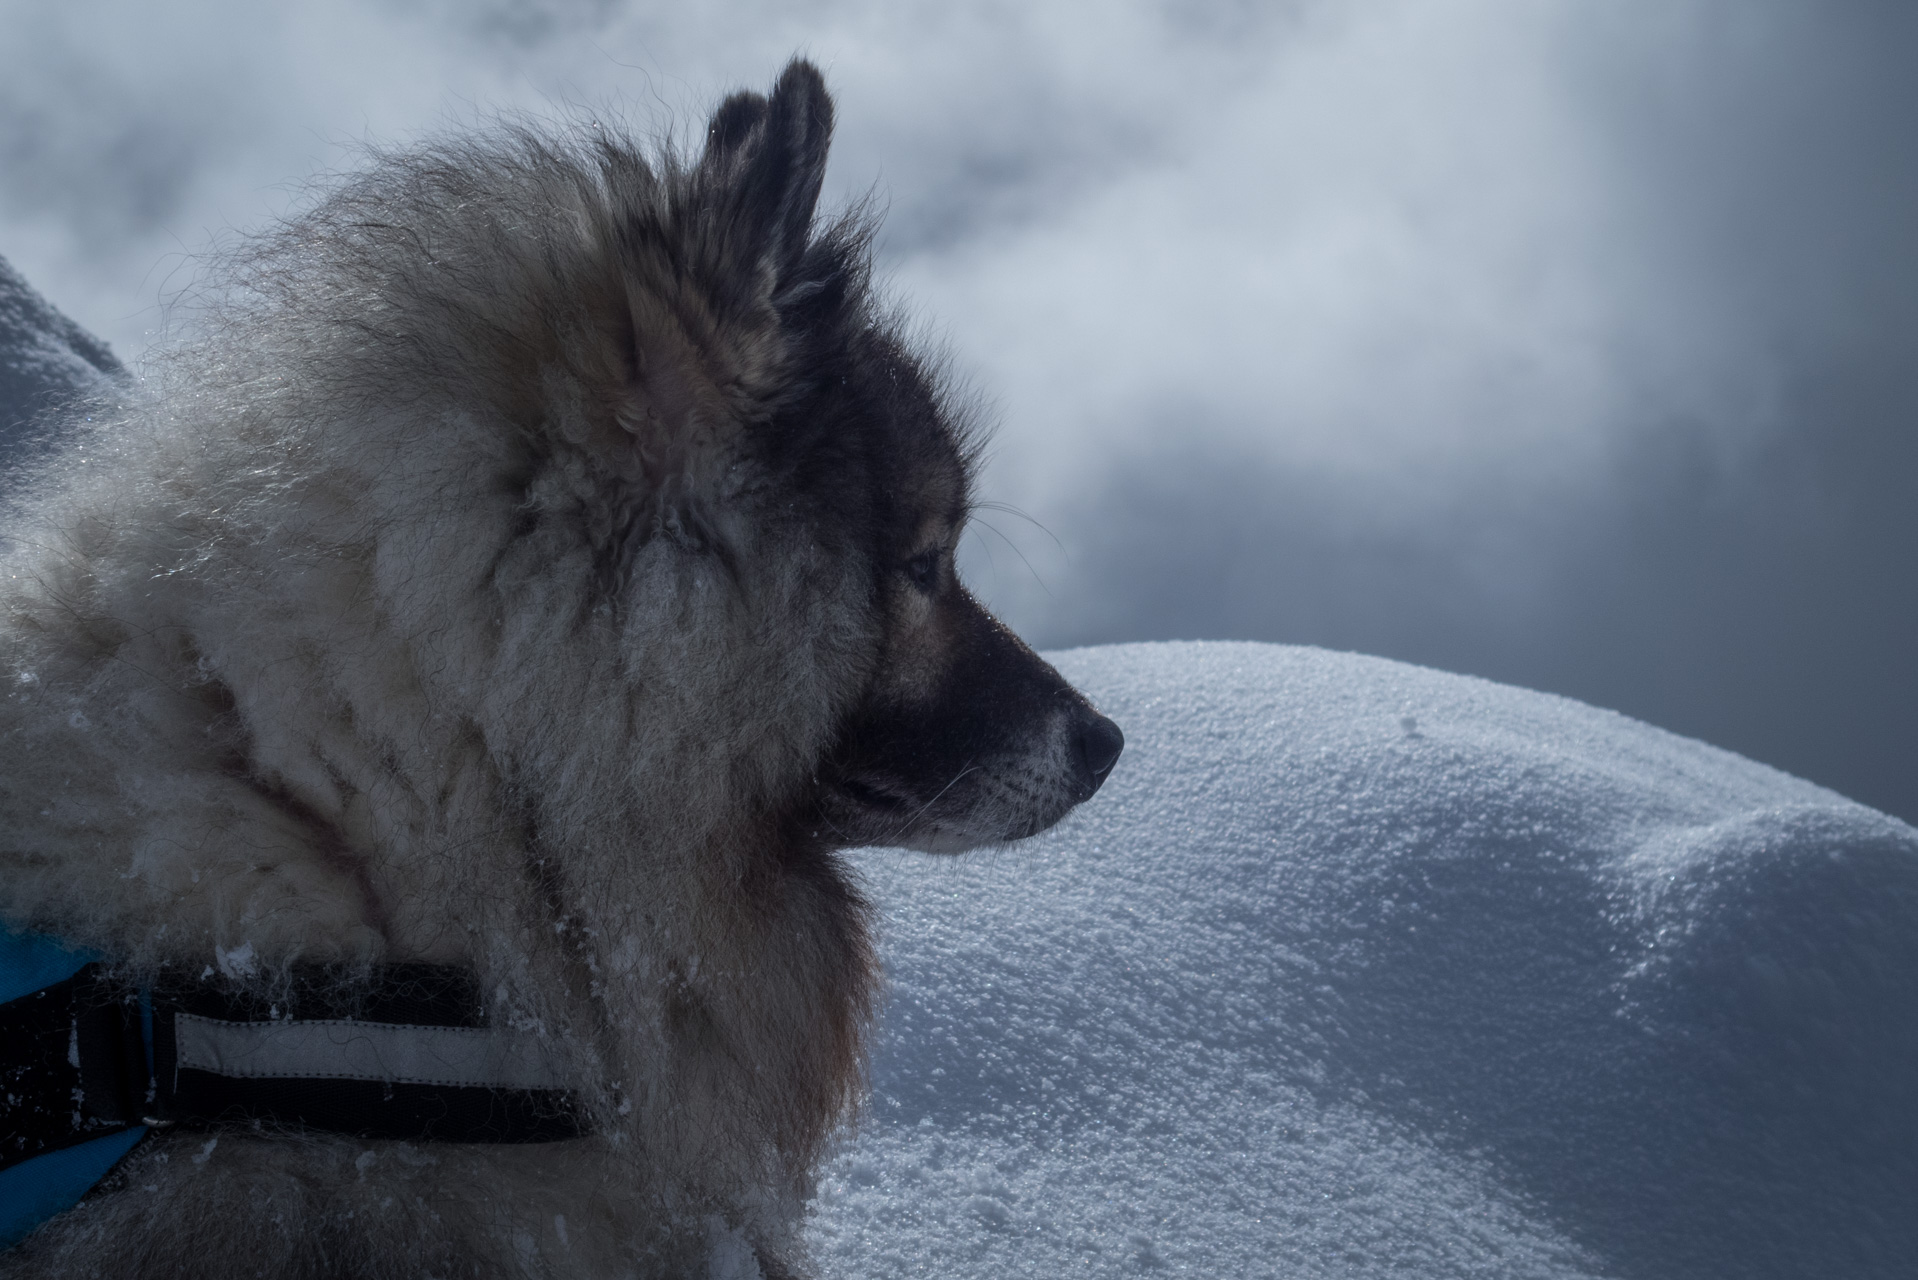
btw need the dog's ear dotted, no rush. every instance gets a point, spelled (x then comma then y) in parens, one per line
(687, 363)
(768, 157)
(731, 124)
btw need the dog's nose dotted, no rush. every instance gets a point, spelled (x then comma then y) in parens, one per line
(1098, 743)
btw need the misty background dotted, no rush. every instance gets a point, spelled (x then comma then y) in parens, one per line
(1572, 345)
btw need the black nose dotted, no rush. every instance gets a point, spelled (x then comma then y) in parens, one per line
(1098, 742)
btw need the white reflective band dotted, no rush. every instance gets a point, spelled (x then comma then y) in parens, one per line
(490, 1057)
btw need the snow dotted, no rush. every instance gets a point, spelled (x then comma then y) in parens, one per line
(237, 963)
(1360, 969)
(45, 360)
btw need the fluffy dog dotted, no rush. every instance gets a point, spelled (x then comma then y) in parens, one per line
(540, 563)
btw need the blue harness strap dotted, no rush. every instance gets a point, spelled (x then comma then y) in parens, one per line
(48, 1158)
(37, 1189)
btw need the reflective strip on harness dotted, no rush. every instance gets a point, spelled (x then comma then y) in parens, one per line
(343, 1049)
(407, 1051)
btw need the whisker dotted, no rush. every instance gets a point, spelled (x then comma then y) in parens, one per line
(904, 826)
(1036, 576)
(1032, 520)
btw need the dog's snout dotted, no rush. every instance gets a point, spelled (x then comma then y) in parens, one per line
(1097, 742)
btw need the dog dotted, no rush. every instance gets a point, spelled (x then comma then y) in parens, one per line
(538, 566)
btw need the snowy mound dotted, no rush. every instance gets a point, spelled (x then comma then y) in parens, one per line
(46, 360)
(1359, 969)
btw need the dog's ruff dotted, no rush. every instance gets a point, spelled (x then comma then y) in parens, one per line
(540, 563)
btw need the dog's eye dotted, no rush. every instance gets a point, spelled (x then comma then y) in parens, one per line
(923, 569)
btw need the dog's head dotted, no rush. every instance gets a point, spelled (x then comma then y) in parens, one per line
(703, 473)
(773, 405)
(962, 735)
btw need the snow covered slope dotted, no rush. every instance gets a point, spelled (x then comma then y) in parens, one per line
(1359, 969)
(45, 359)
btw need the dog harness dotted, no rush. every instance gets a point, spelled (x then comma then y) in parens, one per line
(89, 1066)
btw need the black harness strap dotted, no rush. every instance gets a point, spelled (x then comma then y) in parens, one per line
(68, 1071)
(410, 1055)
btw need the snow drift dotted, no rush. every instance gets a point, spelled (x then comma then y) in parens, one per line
(1360, 969)
(46, 361)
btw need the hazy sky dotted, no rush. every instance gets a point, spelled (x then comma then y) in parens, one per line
(1568, 344)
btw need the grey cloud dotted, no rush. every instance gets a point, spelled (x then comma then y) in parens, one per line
(1568, 345)
(1712, 530)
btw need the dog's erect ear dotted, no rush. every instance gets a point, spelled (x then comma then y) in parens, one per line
(769, 154)
(684, 370)
(731, 124)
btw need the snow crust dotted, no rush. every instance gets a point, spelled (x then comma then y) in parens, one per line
(1360, 969)
(46, 360)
